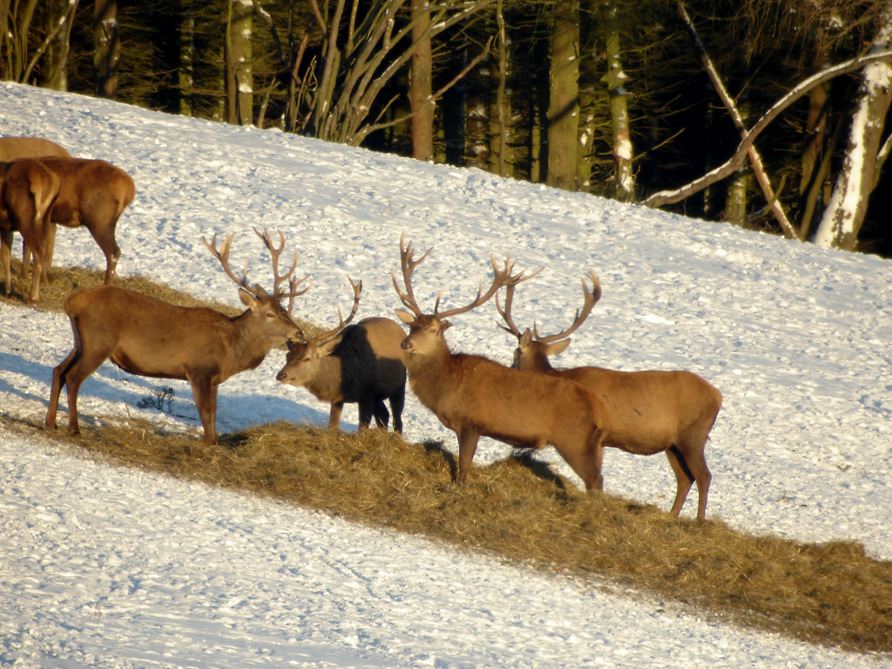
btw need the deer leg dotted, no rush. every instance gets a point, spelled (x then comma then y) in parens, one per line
(334, 416)
(366, 408)
(467, 445)
(48, 250)
(397, 402)
(382, 416)
(684, 477)
(205, 393)
(6, 256)
(586, 463)
(695, 464)
(59, 378)
(38, 251)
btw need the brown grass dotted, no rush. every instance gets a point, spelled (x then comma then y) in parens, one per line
(521, 510)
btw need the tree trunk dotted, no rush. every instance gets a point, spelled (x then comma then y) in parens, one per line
(420, 87)
(107, 47)
(844, 215)
(563, 112)
(186, 76)
(623, 177)
(500, 115)
(240, 80)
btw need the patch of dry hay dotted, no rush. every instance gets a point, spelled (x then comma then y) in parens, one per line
(523, 511)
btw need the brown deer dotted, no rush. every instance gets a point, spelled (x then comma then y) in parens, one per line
(145, 336)
(477, 397)
(27, 189)
(13, 148)
(92, 193)
(647, 412)
(362, 363)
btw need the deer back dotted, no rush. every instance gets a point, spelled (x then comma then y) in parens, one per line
(12, 148)
(150, 337)
(91, 192)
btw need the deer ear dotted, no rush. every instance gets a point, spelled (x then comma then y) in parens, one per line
(445, 325)
(526, 339)
(557, 348)
(247, 299)
(329, 346)
(405, 316)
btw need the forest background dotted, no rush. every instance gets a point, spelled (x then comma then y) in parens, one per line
(769, 114)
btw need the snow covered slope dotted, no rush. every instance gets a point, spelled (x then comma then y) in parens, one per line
(108, 567)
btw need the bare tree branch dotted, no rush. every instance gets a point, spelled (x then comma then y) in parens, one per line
(735, 162)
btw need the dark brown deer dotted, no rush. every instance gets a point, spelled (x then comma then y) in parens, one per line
(362, 363)
(13, 148)
(477, 397)
(92, 193)
(27, 189)
(145, 336)
(647, 412)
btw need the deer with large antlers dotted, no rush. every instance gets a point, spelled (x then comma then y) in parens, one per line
(149, 337)
(362, 363)
(647, 412)
(477, 397)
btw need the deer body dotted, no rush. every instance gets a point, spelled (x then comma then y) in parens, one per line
(92, 193)
(364, 364)
(646, 412)
(27, 190)
(474, 396)
(146, 336)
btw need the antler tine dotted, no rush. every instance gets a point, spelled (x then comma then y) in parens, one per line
(275, 252)
(501, 278)
(292, 292)
(509, 299)
(408, 266)
(590, 297)
(223, 256)
(342, 323)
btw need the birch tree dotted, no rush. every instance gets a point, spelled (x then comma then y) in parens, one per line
(865, 151)
(623, 178)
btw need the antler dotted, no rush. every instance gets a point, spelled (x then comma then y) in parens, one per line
(408, 265)
(223, 256)
(511, 284)
(331, 334)
(279, 278)
(501, 278)
(590, 297)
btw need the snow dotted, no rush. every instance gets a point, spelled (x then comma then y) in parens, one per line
(109, 567)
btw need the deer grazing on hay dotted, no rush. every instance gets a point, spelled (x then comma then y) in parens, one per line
(477, 397)
(27, 190)
(143, 335)
(647, 412)
(361, 363)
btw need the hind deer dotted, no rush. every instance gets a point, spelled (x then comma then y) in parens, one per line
(149, 337)
(647, 412)
(27, 190)
(362, 363)
(477, 397)
(94, 194)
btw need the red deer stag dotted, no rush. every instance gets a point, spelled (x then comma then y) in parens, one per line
(92, 193)
(647, 412)
(145, 336)
(477, 397)
(27, 190)
(361, 363)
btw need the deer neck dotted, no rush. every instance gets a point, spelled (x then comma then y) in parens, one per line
(327, 384)
(249, 342)
(432, 375)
